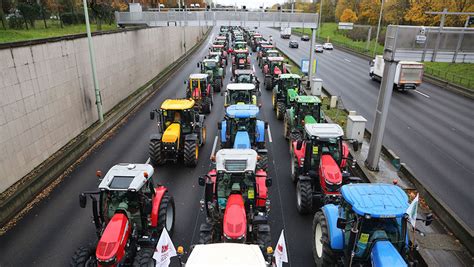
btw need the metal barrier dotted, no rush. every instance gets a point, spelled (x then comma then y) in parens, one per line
(218, 18)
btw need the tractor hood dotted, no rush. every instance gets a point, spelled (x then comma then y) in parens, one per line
(235, 218)
(309, 119)
(385, 254)
(242, 140)
(111, 246)
(329, 170)
(171, 134)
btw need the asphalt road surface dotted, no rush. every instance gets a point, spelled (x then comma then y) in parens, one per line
(50, 233)
(430, 129)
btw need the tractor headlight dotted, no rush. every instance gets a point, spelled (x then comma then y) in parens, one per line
(109, 261)
(301, 162)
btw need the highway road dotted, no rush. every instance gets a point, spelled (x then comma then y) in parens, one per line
(430, 129)
(50, 233)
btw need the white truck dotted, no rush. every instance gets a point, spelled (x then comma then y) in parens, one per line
(409, 74)
(285, 32)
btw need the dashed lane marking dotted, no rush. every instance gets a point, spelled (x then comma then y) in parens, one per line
(347, 60)
(269, 134)
(213, 147)
(147, 161)
(423, 94)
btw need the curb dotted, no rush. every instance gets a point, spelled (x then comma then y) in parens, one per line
(40, 177)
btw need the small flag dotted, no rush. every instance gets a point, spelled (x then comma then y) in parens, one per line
(164, 250)
(280, 251)
(412, 211)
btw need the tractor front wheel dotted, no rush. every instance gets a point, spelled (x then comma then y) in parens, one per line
(268, 83)
(280, 110)
(166, 214)
(144, 258)
(191, 153)
(84, 257)
(322, 252)
(304, 197)
(154, 149)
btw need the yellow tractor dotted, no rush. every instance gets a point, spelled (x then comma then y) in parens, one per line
(181, 132)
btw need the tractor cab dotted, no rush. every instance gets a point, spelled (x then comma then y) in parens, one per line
(370, 224)
(126, 215)
(255, 41)
(211, 66)
(200, 90)
(272, 69)
(181, 132)
(236, 200)
(263, 59)
(240, 45)
(263, 49)
(246, 76)
(305, 109)
(285, 91)
(240, 93)
(219, 48)
(222, 40)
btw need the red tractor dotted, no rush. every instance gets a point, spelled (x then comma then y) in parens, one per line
(129, 213)
(200, 90)
(319, 165)
(274, 67)
(262, 52)
(240, 60)
(236, 200)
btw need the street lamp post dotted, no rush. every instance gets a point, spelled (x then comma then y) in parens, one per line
(98, 99)
(319, 19)
(378, 28)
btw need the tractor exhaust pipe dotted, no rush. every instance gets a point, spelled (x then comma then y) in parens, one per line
(352, 243)
(95, 213)
(208, 193)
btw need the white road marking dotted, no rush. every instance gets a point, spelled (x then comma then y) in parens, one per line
(147, 161)
(425, 95)
(213, 147)
(253, 68)
(347, 60)
(269, 134)
(210, 39)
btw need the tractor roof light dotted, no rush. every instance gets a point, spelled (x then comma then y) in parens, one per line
(145, 174)
(180, 250)
(269, 250)
(367, 216)
(98, 173)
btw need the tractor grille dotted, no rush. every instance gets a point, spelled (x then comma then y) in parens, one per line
(333, 187)
(169, 147)
(235, 165)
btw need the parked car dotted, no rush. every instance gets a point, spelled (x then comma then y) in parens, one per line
(328, 46)
(293, 44)
(318, 48)
(304, 38)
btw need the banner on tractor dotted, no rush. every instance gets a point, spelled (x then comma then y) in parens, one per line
(412, 210)
(280, 251)
(164, 250)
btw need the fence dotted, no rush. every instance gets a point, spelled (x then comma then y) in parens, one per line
(450, 77)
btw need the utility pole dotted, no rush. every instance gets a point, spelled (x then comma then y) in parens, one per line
(98, 99)
(320, 16)
(378, 29)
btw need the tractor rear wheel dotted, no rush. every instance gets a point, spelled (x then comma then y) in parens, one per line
(144, 258)
(304, 197)
(83, 257)
(166, 214)
(268, 83)
(280, 110)
(294, 168)
(274, 100)
(154, 149)
(263, 162)
(191, 153)
(322, 252)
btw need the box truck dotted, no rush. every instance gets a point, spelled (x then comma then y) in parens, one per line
(409, 74)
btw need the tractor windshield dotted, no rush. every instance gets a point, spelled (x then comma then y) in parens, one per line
(272, 54)
(275, 64)
(237, 96)
(183, 117)
(237, 183)
(309, 109)
(123, 201)
(291, 83)
(209, 65)
(244, 78)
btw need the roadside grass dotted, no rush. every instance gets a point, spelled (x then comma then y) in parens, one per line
(329, 34)
(338, 116)
(458, 73)
(293, 67)
(54, 29)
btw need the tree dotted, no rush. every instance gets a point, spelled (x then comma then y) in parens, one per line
(348, 16)
(394, 11)
(369, 11)
(329, 9)
(2, 16)
(30, 12)
(340, 7)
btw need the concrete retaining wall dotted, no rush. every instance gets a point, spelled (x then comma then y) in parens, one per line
(47, 95)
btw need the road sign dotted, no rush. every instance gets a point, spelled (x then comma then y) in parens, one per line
(420, 39)
(346, 26)
(304, 66)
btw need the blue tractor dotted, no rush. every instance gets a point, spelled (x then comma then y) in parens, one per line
(368, 228)
(241, 129)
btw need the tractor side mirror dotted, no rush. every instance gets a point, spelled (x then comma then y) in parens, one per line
(201, 181)
(428, 219)
(82, 200)
(266, 125)
(341, 223)
(355, 145)
(185, 82)
(268, 182)
(152, 115)
(219, 125)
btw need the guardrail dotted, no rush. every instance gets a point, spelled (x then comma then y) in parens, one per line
(450, 77)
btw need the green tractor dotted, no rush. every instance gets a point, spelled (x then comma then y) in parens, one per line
(305, 109)
(285, 91)
(212, 67)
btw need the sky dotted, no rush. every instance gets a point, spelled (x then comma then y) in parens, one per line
(249, 3)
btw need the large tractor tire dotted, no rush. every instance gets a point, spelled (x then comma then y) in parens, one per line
(268, 83)
(206, 105)
(203, 136)
(263, 162)
(294, 168)
(264, 240)
(218, 85)
(286, 127)
(280, 111)
(191, 153)
(84, 257)
(144, 258)
(304, 197)
(166, 214)
(274, 100)
(322, 252)
(154, 149)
